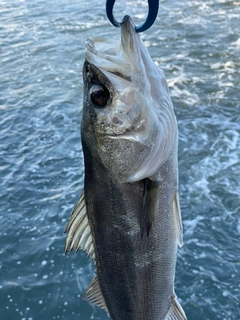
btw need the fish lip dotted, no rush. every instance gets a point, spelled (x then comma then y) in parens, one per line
(128, 33)
(127, 19)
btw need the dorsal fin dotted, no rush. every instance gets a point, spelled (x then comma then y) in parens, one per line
(149, 205)
(79, 231)
(94, 294)
(178, 219)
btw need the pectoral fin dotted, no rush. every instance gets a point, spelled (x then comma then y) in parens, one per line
(178, 219)
(149, 205)
(79, 231)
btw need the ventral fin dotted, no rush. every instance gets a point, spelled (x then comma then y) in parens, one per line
(79, 231)
(149, 205)
(94, 294)
(176, 311)
(178, 219)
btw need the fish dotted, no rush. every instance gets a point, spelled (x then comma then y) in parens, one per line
(128, 217)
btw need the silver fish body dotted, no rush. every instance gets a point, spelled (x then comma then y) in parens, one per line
(128, 218)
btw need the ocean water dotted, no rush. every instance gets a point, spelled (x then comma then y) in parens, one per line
(197, 44)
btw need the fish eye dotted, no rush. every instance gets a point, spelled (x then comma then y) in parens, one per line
(99, 95)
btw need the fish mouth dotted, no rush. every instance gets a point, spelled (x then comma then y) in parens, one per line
(116, 58)
(129, 37)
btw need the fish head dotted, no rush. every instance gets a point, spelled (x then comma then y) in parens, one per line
(128, 121)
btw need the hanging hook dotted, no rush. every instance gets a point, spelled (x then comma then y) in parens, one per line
(153, 6)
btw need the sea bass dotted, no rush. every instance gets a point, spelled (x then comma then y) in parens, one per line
(128, 217)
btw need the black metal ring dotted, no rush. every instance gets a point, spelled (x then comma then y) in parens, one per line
(153, 6)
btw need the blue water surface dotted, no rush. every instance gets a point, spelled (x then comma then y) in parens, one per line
(197, 44)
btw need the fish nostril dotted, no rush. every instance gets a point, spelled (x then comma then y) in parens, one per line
(116, 120)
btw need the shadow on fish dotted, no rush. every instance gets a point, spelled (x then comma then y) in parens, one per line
(128, 218)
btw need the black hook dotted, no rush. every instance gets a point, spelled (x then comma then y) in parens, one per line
(153, 6)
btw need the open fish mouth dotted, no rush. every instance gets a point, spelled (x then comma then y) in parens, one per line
(107, 55)
(121, 58)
